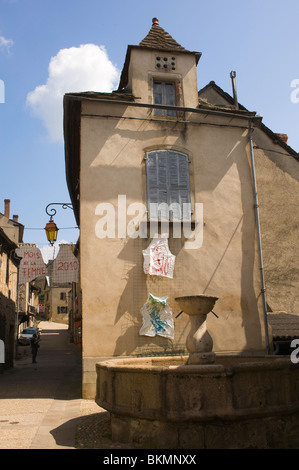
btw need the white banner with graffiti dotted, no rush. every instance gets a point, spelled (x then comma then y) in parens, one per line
(65, 267)
(158, 260)
(32, 264)
(157, 318)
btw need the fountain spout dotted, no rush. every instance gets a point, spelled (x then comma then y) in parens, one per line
(199, 342)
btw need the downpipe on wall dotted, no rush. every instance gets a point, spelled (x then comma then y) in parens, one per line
(256, 207)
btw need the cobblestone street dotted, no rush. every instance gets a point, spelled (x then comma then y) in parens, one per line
(41, 405)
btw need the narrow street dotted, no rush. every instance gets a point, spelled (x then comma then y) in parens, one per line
(41, 405)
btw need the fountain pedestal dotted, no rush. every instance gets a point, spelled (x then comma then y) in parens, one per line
(199, 342)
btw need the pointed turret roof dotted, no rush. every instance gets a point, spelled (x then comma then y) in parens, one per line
(157, 39)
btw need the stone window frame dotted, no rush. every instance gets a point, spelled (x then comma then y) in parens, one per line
(168, 77)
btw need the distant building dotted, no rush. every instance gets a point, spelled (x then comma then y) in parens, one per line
(53, 300)
(11, 233)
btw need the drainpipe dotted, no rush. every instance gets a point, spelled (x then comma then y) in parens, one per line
(256, 207)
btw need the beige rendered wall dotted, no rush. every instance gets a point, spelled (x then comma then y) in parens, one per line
(56, 302)
(142, 71)
(8, 294)
(226, 265)
(8, 289)
(278, 192)
(277, 173)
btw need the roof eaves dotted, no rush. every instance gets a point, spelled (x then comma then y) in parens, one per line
(7, 241)
(275, 137)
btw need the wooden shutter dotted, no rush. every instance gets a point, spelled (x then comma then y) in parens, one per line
(164, 93)
(168, 182)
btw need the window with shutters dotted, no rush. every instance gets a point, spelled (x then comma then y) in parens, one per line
(164, 93)
(168, 185)
(61, 309)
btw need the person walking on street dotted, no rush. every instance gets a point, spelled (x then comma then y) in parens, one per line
(34, 342)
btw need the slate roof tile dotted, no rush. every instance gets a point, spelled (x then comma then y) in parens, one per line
(158, 38)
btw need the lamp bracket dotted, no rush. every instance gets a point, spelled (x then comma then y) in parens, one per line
(51, 212)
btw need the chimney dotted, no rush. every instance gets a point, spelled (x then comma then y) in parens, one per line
(7, 208)
(283, 137)
(233, 78)
(15, 218)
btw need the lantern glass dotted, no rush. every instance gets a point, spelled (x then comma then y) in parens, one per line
(51, 231)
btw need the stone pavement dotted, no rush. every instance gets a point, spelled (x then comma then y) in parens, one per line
(41, 405)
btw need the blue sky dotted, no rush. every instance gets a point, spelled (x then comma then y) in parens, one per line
(86, 43)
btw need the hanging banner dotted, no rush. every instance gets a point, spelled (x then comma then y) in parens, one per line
(32, 264)
(65, 267)
(157, 318)
(158, 260)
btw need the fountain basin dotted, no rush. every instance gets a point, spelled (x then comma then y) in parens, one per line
(237, 402)
(196, 304)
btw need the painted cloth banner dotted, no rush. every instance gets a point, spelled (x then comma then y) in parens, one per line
(32, 264)
(157, 318)
(158, 260)
(65, 267)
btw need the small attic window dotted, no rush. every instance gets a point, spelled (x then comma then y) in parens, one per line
(164, 94)
(165, 63)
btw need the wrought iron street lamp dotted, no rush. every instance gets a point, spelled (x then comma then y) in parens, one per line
(51, 231)
(51, 228)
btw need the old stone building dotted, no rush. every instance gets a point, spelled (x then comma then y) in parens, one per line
(53, 300)
(11, 233)
(157, 140)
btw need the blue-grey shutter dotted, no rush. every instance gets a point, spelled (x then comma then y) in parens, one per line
(184, 186)
(168, 182)
(173, 186)
(152, 182)
(164, 93)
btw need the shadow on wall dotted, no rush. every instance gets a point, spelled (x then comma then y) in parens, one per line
(210, 169)
(135, 295)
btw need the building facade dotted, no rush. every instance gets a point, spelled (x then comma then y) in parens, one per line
(153, 144)
(11, 233)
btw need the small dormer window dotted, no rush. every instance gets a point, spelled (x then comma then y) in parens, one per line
(164, 94)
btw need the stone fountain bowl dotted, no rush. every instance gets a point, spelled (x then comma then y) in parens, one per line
(196, 304)
(237, 403)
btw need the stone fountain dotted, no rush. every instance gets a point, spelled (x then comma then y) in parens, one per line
(199, 342)
(204, 400)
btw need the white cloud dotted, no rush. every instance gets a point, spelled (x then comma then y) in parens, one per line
(77, 69)
(50, 252)
(5, 44)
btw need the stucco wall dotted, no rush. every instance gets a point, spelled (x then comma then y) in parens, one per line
(278, 192)
(56, 302)
(277, 174)
(8, 293)
(142, 70)
(226, 265)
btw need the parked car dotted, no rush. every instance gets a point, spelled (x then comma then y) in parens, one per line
(27, 334)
